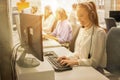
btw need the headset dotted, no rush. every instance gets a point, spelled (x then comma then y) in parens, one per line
(92, 17)
(89, 55)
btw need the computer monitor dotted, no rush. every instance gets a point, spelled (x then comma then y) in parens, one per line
(31, 39)
(115, 15)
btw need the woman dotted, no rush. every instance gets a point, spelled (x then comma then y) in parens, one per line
(63, 30)
(90, 44)
(48, 19)
(72, 16)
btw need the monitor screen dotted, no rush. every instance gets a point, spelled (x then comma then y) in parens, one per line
(115, 15)
(31, 39)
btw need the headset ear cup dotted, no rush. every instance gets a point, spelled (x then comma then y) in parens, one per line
(92, 16)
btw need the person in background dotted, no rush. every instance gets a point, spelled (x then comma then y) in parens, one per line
(34, 9)
(73, 16)
(48, 19)
(22, 5)
(90, 46)
(31, 10)
(63, 31)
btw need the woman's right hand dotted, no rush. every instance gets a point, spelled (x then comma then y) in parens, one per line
(62, 58)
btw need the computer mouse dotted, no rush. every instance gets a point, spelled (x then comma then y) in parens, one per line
(48, 53)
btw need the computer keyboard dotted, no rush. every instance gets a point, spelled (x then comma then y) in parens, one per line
(56, 65)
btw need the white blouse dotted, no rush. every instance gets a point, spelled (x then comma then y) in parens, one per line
(48, 23)
(97, 51)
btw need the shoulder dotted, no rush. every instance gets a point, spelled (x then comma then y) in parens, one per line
(67, 22)
(99, 31)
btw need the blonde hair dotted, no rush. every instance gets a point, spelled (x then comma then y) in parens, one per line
(47, 14)
(91, 9)
(62, 12)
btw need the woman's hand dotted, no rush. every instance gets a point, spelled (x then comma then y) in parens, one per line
(66, 61)
(62, 58)
(69, 62)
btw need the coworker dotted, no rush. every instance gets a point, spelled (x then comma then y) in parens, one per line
(90, 44)
(48, 19)
(22, 5)
(31, 10)
(73, 16)
(63, 30)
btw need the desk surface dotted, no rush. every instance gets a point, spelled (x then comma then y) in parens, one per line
(42, 72)
(50, 43)
(78, 72)
(45, 72)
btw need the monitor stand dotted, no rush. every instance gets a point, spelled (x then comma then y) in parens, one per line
(27, 62)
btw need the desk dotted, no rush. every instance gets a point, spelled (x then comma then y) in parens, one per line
(78, 72)
(118, 26)
(50, 43)
(42, 72)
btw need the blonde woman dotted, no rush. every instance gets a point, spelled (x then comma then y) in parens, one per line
(90, 44)
(48, 19)
(63, 30)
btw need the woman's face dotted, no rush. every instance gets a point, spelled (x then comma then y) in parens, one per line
(34, 9)
(83, 16)
(46, 12)
(58, 16)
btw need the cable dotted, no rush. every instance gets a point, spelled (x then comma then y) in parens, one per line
(12, 64)
(89, 55)
(13, 74)
(13, 61)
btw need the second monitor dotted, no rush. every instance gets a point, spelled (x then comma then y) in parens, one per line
(115, 15)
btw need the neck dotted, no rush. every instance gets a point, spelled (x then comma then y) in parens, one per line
(62, 19)
(89, 25)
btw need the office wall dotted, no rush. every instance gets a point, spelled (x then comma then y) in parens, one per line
(5, 40)
(115, 4)
(118, 5)
(107, 7)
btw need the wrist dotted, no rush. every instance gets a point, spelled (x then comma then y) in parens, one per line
(78, 62)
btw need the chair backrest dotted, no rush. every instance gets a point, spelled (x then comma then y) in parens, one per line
(110, 22)
(113, 50)
(75, 31)
(54, 25)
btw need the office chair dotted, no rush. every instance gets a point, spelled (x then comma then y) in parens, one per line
(110, 22)
(113, 52)
(75, 31)
(54, 25)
